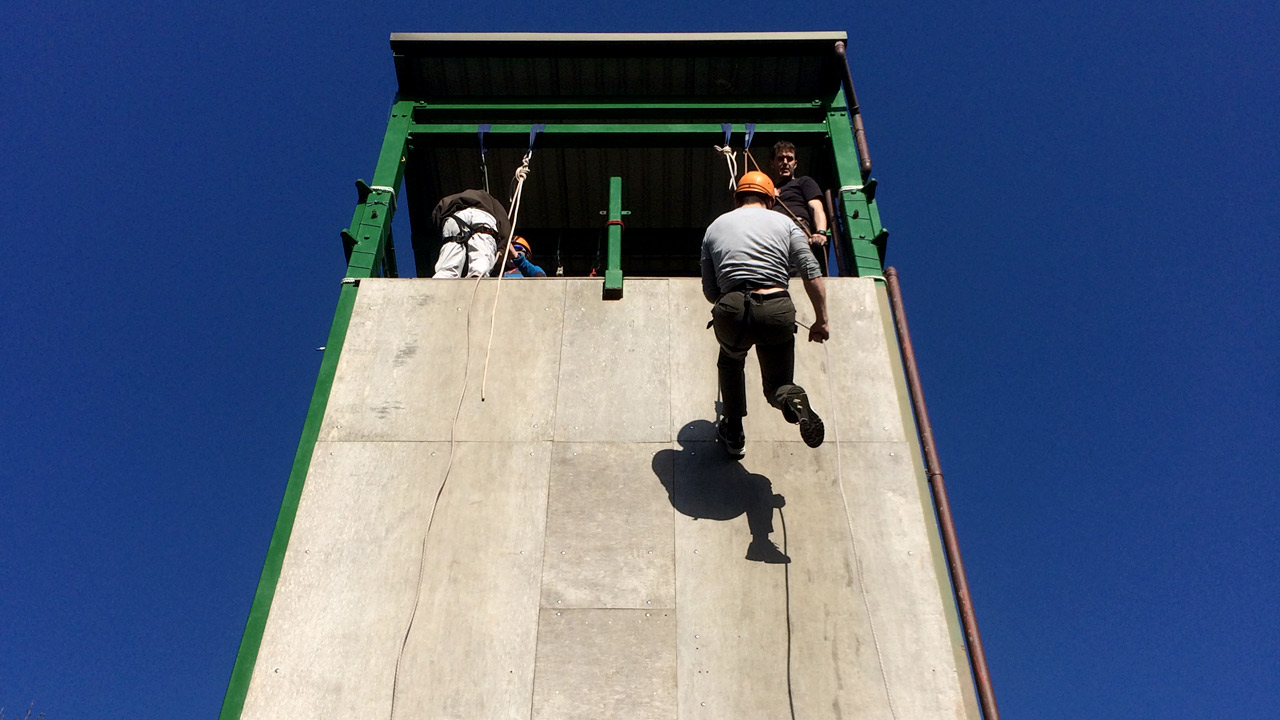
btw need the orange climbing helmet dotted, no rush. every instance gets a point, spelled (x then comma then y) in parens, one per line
(757, 182)
(517, 240)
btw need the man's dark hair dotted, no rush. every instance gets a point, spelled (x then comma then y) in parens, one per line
(780, 146)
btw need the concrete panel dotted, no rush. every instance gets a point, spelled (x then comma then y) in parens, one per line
(864, 405)
(861, 357)
(348, 581)
(472, 648)
(589, 548)
(405, 361)
(906, 601)
(733, 614)
(347, 589)
(614, 383)
(694, 384)
(609, 530)
(605, 664)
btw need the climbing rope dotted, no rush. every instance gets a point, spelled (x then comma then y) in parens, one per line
(730, 157)
(431, 515)
(522, 173)
(786, 580)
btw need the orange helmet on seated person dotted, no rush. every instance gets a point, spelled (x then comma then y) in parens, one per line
(518, 240)
(756, 182)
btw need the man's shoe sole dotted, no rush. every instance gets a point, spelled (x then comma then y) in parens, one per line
(812, 431)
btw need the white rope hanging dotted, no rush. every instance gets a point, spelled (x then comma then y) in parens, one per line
(522, 173)
(731, 159)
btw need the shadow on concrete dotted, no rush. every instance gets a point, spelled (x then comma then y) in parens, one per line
(704, 483)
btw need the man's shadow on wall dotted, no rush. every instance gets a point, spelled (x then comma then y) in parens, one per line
(703, 482)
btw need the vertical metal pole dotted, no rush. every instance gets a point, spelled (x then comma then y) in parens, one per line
(856, 199)
(613, 268)
(968, 618)
(371, 224)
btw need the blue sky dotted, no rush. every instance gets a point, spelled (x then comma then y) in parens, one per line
(1084, 210)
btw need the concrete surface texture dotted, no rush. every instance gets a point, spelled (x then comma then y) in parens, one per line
(573, 545)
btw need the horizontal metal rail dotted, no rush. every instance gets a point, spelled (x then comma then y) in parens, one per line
(711, 129)
(656, 106)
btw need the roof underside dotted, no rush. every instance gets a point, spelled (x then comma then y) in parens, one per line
(559, 65)
(673, 183)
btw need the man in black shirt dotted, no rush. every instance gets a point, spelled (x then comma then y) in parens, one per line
(799, 197)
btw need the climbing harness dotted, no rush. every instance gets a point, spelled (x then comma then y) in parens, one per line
(469, 231)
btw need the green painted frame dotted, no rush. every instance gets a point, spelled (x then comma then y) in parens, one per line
(369, 245)
(370, 256)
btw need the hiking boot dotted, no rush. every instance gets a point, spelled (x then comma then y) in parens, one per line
(763, 550)
(735, 441)
(812, 430)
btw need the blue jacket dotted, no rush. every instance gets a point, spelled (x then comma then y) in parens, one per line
(524, 268)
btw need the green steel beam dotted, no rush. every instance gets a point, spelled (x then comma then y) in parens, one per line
(251, 641)
(613, 268)
(609, 106)
(370, 238)
(622, 128)
(856, 200)
(371, 223)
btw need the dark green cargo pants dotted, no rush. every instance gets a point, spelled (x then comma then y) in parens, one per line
(744, 319)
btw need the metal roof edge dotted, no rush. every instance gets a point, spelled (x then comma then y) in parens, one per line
(618, 37)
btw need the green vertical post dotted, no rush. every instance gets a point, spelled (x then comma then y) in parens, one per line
(368, 241)
(371, 225)
(856, 200)
(613, 269)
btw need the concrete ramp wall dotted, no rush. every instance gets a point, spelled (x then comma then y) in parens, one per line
(585, 557)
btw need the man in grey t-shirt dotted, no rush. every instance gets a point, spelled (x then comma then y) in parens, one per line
(747, 255)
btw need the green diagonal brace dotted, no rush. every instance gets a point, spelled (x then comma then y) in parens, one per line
(613, 268)
(251, 641)
(371, 223)
(371, 229)
(863, 233)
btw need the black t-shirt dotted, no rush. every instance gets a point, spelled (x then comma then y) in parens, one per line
(796, 194)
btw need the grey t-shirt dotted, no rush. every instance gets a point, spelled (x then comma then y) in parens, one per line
(752, 244)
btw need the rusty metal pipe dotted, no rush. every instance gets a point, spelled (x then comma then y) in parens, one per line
(859, 133)
(973, 641)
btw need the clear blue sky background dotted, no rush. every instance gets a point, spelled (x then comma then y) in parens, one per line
(1084, 209)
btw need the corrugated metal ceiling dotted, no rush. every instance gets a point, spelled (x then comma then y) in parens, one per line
(674, 185)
